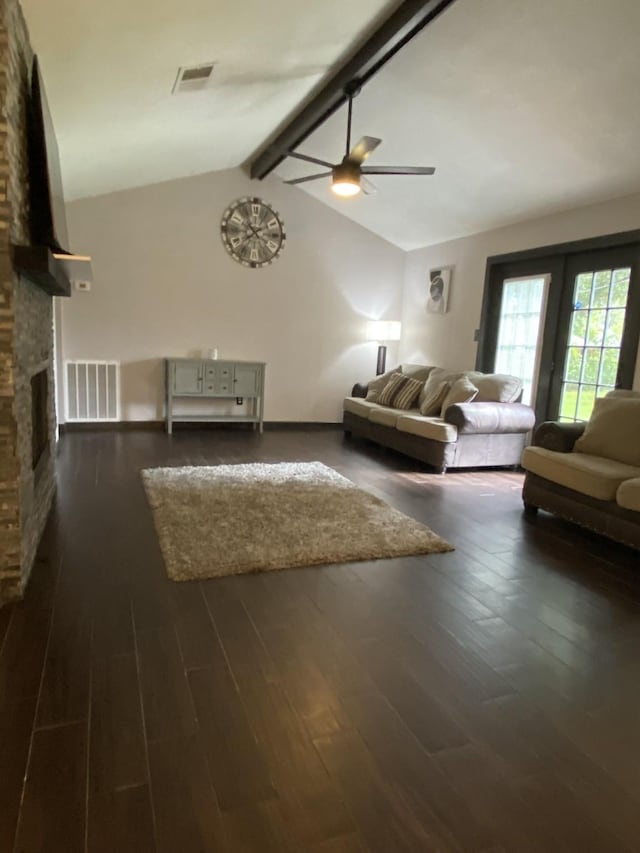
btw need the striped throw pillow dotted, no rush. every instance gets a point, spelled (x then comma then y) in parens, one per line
(400, 392)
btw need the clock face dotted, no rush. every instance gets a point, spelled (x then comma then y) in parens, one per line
(252, 232)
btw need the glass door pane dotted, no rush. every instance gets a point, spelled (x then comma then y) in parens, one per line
(595, 339)
(519, 330)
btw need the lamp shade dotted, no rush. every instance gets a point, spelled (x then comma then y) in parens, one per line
(384, 330)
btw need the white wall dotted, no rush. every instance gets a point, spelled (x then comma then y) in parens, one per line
(448, 339)
(165, 286)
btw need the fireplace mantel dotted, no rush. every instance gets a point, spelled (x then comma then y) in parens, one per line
(39, 265)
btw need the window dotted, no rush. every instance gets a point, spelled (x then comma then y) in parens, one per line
(595, 339)
(519, 330)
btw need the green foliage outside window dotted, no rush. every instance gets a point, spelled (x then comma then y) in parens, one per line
(595, 338)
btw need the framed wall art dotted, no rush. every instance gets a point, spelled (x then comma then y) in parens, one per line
(438, 292)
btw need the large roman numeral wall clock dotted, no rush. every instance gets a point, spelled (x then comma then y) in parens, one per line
(252, 232)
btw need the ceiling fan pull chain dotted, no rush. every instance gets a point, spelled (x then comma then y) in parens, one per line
(349, 109)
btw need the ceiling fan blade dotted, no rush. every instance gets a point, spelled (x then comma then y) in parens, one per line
(363, 148)
(309, 178)
(367, 186)
(398, 170)
(308, 159)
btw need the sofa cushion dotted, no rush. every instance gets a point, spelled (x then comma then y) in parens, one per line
(628, 494)
(496, 387)
(590, 475)
(624, 393)
(416, 371)
(613, 430)
(431, 406)
(358, 406)
(400, 392)
(461, 391)
(385, 415)
(436, 377)
(375, 386)
(434, 428)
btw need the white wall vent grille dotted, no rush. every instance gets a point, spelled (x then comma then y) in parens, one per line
(193, 78)
(92, 390)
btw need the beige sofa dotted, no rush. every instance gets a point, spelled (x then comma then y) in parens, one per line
(490, 431)
(590, 473)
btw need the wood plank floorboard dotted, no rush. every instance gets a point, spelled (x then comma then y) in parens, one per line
(53, 813)
(121, 820)
(16, 726)
(479, 701)
(187, 814)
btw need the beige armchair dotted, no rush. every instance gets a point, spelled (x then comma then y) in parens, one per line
(589, 473)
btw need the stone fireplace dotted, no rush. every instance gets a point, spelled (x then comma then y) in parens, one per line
(27, 413)
(39, 418)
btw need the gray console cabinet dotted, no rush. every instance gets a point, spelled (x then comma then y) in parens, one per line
(209, 379)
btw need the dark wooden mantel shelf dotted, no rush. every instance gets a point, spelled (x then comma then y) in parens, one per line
(38, 265)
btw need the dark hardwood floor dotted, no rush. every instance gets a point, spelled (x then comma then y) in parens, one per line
(484, 700)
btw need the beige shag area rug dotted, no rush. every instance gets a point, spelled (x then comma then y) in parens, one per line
(232, 519)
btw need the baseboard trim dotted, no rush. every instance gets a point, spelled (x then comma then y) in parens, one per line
(126, 426)
(306, 425)
(111, 426)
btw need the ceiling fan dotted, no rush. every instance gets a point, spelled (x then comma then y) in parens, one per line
(348, 177)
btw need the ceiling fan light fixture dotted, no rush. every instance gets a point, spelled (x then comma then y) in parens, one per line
(345, 187)
(346, 179)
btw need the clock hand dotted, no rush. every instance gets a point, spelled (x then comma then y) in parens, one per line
(243, 243)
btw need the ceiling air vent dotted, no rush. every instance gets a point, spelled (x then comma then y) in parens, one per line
(192, 78)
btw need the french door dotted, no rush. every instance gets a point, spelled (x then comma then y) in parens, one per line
(566, 324)
(597, 339)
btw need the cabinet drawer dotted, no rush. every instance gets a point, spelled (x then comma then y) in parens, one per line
(218, 373)
(213, 388)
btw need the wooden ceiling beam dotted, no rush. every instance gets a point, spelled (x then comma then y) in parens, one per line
(410, 18)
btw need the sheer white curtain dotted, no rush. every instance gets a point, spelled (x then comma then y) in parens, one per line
(520, 330)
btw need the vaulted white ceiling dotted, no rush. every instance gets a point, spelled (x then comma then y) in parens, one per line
(524, 107)
(109, 67)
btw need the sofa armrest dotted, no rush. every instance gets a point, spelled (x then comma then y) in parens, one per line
(558, 435)
(359, 390)
(490, 418)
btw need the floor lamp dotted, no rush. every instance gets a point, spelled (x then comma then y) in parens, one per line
(383, 330)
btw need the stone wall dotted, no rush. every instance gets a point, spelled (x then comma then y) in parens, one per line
(26, 319)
